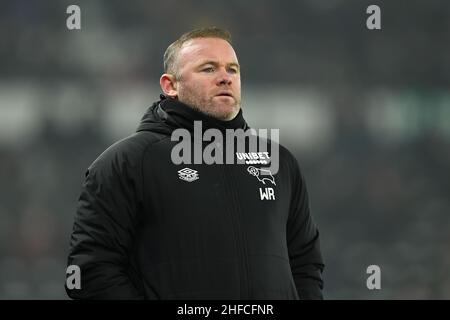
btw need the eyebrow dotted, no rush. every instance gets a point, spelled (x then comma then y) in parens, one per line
(214, 63)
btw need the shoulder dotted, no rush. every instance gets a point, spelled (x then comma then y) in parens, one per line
(126, 153)
(290, 159)
(278, 152)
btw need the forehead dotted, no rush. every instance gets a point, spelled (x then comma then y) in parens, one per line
(199, 49)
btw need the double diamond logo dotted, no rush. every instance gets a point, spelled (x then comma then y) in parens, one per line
(188, 175)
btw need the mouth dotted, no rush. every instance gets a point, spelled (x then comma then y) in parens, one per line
(225, 94)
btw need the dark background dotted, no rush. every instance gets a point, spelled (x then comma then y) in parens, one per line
(366, 112)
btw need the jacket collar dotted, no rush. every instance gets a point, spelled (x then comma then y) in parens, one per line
(176, 114)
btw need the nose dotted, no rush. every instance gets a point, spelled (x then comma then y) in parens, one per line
(224, 78)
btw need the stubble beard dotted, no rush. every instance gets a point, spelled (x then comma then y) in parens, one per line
(207, 105)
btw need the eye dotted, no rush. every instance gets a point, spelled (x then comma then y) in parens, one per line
(233, 70)
(208, 69)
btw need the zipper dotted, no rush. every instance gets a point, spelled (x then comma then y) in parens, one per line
(241, 239)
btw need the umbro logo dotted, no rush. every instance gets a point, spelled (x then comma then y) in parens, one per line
(188, 175)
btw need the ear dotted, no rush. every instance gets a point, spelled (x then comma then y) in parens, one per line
(168, 85)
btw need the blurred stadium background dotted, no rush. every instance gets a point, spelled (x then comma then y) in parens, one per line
(367, 114)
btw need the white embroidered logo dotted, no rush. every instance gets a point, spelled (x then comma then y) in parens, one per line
(262, 175)
(254, 157)
(188, 175)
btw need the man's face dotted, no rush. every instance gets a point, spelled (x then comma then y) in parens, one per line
(209, 77)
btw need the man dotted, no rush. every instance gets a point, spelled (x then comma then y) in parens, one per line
(147, 227)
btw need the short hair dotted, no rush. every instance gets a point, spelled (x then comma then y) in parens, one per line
(174, 48)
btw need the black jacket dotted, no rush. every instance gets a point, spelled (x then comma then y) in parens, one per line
(142, 230)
